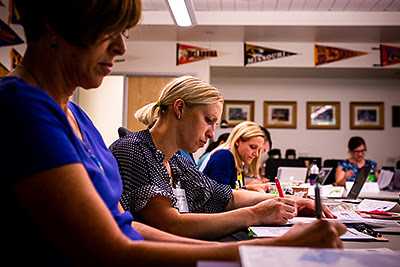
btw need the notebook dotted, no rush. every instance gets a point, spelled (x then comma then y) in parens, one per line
(291, 174)
(358, 184)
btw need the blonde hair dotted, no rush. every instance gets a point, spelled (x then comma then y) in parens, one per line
(190, 89)
(245, 131)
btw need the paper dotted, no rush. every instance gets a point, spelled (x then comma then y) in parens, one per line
(385, 178)
(276, 231)
(342, 216)
(256, 256)
(370, 205)
(328, 191)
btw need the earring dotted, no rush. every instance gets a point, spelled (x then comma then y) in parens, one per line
(53, 44)
(179, 117)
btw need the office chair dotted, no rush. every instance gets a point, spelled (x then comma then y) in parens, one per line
(274, 153)
(290, 154)
(122, 131)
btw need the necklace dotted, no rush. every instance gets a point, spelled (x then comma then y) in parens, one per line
(31, 74)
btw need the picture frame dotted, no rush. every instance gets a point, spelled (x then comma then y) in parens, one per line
(323, 115)
(367, 115)
(280, 114)
(237, 111)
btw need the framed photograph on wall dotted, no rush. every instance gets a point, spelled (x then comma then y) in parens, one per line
(323, 115)
(236, 111)
(367, 115)
(280, 114)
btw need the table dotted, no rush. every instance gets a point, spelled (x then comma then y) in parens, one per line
(381, 195)
(394, 240)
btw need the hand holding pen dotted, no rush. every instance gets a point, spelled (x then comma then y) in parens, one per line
(279, 187)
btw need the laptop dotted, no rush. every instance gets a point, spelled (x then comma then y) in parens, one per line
(396, 180)
(357, 186)
(322, 175)
(292, 174)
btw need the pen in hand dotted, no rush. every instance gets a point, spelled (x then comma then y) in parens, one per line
(278, 186)
(318, 206)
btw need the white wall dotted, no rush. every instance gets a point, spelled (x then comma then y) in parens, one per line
(104, 106)
(383, 145)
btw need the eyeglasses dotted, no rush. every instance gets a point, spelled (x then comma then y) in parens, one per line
(359, 151)
(125, 33)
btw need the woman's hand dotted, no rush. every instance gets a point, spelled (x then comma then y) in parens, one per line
(274, 211)
(306, 207)
(320, 234)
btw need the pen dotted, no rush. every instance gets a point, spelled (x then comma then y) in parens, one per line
(318, 207)
(278, 186)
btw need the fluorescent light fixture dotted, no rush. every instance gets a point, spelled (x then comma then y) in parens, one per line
(183, 12)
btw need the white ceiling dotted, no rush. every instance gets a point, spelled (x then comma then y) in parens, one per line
(371, 21)
(283, 5)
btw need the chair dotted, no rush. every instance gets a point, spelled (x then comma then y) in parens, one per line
(332, 163)
(290, 154)
(274, 153)
(122, 131)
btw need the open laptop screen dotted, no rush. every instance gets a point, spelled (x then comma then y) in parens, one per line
(359, 182)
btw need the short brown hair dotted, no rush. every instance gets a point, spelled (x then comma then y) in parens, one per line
(79, 22)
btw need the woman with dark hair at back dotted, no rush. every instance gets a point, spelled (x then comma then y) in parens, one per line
(348, 169)
(214, 144)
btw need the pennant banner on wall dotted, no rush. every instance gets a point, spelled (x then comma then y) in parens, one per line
(326, 54)
(16, 58)
(187, 54)
(254, 54)
(389, 55)
(3, 71)
(8, 36)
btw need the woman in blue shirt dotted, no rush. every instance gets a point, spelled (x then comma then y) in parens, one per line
(238, 157)
(348, 169)
(60, 187)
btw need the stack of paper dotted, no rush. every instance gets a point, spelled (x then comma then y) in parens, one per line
(256, 256)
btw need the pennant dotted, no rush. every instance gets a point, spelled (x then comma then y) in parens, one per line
(326, 54)
(254, 54)
(16, 58)
(187, 54)
(8, 36)
(13, 16)
(389, 55)
(3, 71)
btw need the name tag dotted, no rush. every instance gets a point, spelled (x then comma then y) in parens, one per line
(181, 199)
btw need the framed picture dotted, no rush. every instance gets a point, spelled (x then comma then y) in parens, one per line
(280, 114)
(236, 111)
(367, 115)
(323, 115)
(396, 116)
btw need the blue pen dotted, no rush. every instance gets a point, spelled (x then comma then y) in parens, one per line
(318, 206)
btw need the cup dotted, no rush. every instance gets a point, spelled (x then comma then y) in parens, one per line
(300, 191)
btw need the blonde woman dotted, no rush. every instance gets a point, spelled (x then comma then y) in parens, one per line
(166, 191)
(238, 156)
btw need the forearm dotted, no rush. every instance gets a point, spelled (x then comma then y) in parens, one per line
(150, 253)
(211, 226)
(245, 198)
(152, 234)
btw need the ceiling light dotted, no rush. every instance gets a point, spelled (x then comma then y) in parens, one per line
(183, 12)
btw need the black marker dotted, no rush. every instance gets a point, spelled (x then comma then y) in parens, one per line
(318, 206)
